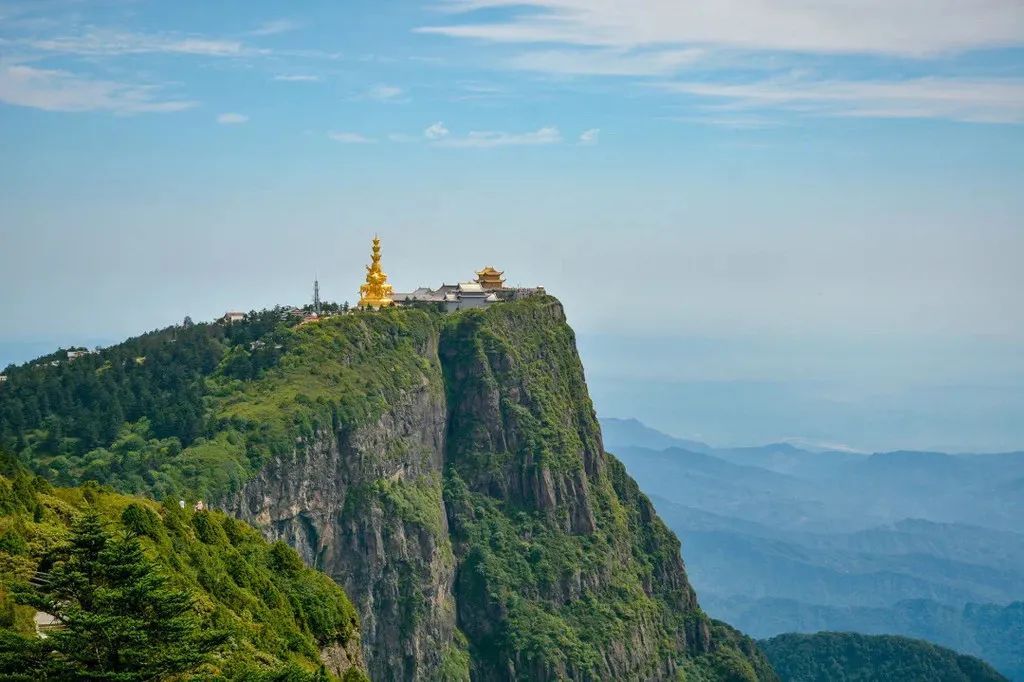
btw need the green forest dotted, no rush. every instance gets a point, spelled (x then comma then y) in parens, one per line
(193, 410)
(845, 657)
(145, 590)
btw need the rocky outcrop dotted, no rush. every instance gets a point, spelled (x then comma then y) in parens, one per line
(480, 527)
(525, 461)
(363, 504)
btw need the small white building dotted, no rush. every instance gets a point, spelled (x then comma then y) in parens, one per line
(231, 316)
(46, 622)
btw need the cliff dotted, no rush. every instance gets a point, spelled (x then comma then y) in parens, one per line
(474, 517)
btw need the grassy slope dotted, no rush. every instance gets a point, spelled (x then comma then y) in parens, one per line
(279, 612)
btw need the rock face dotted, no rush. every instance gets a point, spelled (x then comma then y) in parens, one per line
(364, 505)
(480, 527)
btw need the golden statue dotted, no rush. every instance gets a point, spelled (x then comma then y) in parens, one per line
(489, 278)
(376, 293)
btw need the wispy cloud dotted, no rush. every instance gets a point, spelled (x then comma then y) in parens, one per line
(297, 78)
(486, 139)
(436, 131)
(708, 49)
(271, 28)
(894, 27)
(956, 99)
(102, 42)
(350, 138)
(605, 62)
(384, 93)
(54, 90)
(232, 119)
(590, 136)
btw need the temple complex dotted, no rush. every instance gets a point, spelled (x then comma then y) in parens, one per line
(375, 292)
(488, 287)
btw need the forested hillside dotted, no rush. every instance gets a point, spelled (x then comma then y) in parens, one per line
(145, 590)
(125, 414)
(848, 657)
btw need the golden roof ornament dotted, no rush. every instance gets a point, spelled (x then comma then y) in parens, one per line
(376, 292)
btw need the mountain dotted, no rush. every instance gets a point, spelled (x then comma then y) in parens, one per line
(843, 656)
(277, 619)
(631, 432)
(780, 539)
(988, 631)
(447, 470)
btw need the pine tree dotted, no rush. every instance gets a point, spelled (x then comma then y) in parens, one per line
(121, 619)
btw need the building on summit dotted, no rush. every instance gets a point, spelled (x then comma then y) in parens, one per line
(231, 316)
(490, 279)
(488, 287)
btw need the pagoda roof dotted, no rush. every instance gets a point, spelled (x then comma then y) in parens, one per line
(490, 271)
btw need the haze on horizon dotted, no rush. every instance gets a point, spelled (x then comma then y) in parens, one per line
(810, 231)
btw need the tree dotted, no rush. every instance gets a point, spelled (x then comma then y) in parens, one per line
(121, 620)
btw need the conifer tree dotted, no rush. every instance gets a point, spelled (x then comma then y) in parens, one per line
(121, 620)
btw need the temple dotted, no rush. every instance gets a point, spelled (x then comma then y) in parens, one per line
(488, 288)
(375, 292)
(490, 279)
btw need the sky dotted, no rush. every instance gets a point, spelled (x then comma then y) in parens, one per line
(786, 219)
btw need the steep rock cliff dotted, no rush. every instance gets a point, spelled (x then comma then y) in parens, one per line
(471, 512)
(360, 499)
(564, 570)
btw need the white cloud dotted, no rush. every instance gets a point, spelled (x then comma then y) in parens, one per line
(297, 78)
(590, 136)
(232, 119)
(606, 62)
(270, 28)
(957, 99)
(489, 138)
(109, 43)
(350, 138)
(384, 93)
(895, 27)
(436, 131)
(54, 90)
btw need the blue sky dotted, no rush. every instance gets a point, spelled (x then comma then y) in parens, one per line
(818, 196)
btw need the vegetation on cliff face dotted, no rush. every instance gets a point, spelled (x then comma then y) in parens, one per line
(564, 570)
(148, 590)
(845, 656)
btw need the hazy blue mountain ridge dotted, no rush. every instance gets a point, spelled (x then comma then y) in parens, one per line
(779, 538)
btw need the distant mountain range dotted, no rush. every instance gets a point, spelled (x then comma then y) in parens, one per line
(779, 538)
